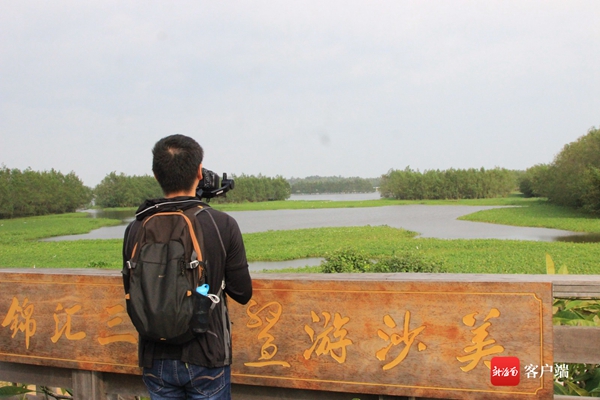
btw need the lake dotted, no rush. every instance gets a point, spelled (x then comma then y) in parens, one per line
(429, 221)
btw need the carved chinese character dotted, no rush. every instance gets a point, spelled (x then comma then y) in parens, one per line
(407, 337)
(323, 343)
(481, 347)
(66, 328)
(19, 319)
(129, 338)
(268, 349)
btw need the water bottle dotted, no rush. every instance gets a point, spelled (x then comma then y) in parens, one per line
(202, 304)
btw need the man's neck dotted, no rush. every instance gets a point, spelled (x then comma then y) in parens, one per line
(182, 193)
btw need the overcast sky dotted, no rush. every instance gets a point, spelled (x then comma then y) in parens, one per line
(296, 88)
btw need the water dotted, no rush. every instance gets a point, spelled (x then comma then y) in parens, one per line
(337, 196)
(125, 216)
(429, 221)
(580, 238)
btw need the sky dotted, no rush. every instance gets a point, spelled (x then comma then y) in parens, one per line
(296, 88)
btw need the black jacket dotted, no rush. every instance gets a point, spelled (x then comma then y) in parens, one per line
(226, 260)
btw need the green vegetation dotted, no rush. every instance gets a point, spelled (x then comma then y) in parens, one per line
(18, 230)
(19, 246)
(250, 188)
(332, 184)
(470, 183)
(573, 178)
(457, 256)
(353, 261)
(583, 379)
(120, 190)
(539, 213)
(25, 193)
(529, 181)
(8, 390)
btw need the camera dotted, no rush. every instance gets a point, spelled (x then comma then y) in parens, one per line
(212, 186)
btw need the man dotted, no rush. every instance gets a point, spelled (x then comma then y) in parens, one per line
(200, 368)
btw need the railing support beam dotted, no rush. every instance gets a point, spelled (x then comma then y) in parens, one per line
(88, 385)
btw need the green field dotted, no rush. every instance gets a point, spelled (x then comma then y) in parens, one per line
(19, 246)
(513, 200)
(539, 214)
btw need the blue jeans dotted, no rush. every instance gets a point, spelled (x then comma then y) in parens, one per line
(173, 379)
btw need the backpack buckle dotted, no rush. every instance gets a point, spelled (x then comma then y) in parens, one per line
(194, 264)
(131, 265)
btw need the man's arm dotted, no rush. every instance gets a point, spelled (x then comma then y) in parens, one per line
(238, 284)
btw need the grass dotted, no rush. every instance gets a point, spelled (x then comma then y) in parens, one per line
(18, 248)
(513, 200)
(22, 229)
(19, 245)
(458, 256)
(539, 213)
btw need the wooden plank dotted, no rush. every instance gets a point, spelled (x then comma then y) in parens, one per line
(576, 344)
(383, 334)
(396, 338)
(125, 385)
(576, 291)
(251, 392)
(35, 374)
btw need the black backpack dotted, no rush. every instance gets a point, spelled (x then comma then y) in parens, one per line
(165, 268)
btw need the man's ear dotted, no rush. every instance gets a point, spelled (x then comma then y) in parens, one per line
(200, 172)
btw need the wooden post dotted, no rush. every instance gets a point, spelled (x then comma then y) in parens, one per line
(88, 385)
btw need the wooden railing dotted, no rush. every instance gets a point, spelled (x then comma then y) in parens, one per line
(571, 344)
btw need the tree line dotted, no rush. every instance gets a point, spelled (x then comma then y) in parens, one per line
(26, 193)
(472, 183)
(250, 188)
(120, 190)
(572, 179)
(332, 184)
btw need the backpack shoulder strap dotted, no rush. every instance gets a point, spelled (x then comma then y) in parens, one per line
(216, 228)
(197, 212)
(197, 236)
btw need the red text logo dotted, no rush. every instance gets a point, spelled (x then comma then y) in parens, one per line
(505, 371)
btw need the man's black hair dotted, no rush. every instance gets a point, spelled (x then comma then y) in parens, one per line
(175, 162)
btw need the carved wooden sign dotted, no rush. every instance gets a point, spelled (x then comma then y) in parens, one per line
(424, 339)
(73, 320)
(359, 334)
